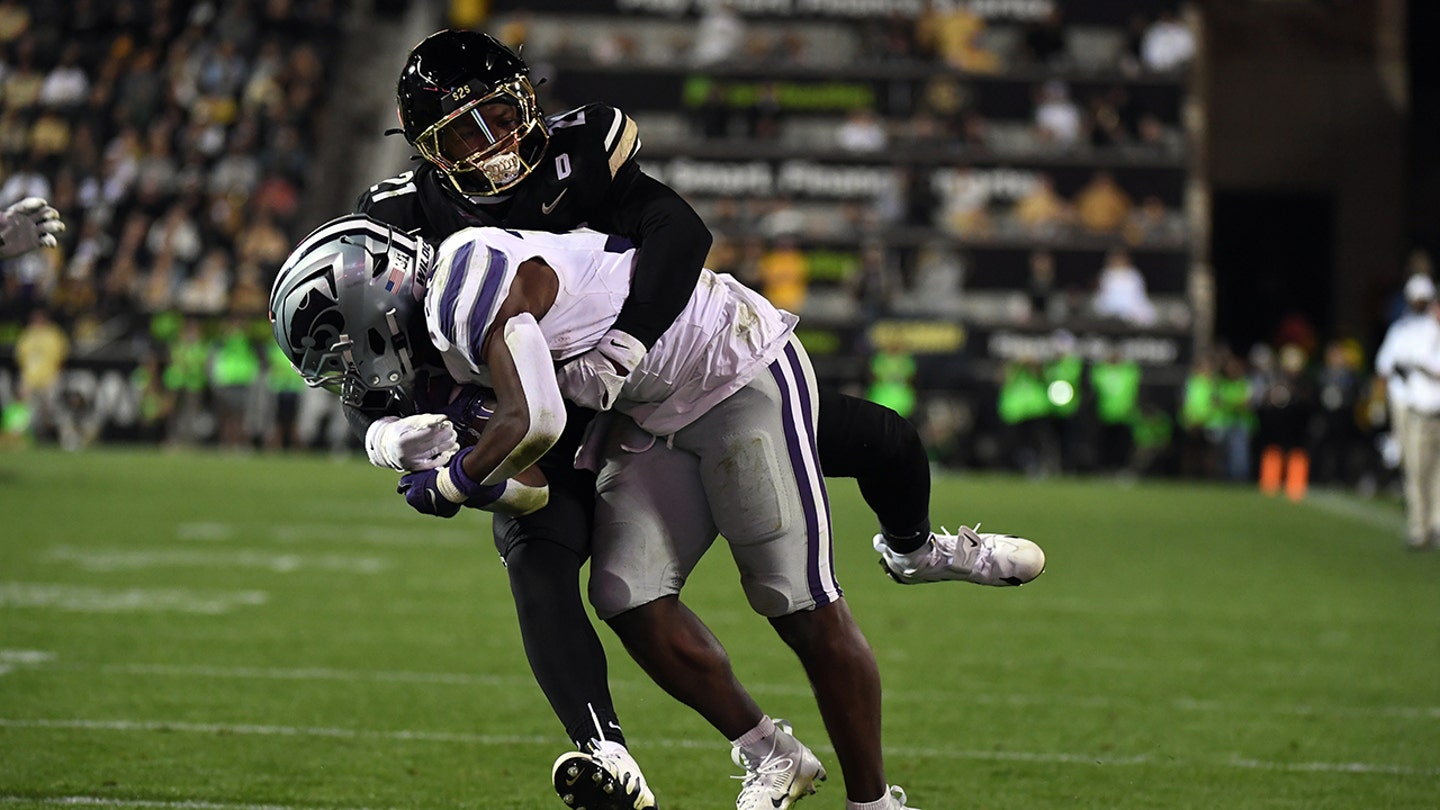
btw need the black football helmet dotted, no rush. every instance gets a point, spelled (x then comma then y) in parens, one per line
(465, 102)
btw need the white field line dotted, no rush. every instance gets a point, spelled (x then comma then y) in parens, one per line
(1181, 704)
(101, 801)
(82, 599)
(1372, 515)
(346, 533)
(121, 559)
(1062, 758)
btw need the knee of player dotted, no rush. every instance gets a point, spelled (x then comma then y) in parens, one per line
(610, 594)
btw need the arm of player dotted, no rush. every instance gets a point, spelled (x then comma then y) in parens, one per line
(529, 417)
(673, 243)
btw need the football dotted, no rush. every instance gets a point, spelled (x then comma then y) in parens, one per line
(477, 408)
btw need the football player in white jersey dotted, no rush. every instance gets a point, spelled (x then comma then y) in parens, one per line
(712, 431)
(492, 157)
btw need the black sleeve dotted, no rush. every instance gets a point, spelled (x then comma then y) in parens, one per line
(673, 243)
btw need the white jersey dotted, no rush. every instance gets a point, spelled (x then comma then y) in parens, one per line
(725, 336)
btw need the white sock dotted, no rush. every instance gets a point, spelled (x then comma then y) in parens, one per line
(758, 742)
(882, 803)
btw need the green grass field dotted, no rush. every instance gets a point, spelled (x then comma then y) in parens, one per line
(220, 632)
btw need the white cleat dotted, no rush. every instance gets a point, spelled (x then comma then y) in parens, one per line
(896, 795)
(605, 778)
(985, 559)
(788, 773)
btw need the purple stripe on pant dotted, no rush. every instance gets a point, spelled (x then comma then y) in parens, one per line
(807, 476)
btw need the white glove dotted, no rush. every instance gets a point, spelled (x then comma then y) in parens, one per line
(411, 444)
(593, 380)
(29, 224)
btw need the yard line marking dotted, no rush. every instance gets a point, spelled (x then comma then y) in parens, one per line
(27, 657)
(119, 559)
(190, 804)
(1373, 515)
(347, 533)
(81, 599)
(1185, 704)
(1063, 758)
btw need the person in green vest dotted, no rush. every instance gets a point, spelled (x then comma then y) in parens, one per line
(1023, 407)
(186, 378)
(1235, 420)
(1115, 384)
(1198, 411)
(1153, 431)
(284, 385)
(1063, 375)
(154, 400)
(892, 377)
(234, 371)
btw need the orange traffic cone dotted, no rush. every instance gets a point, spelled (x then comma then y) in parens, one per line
(1272, 469)
(1297, 474)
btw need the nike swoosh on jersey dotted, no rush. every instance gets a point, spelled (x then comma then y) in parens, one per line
(546, 209)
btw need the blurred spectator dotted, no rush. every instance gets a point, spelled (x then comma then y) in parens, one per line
(1152, 222)
(1106, 119)
(765, 115)
(1046, 300)
(1101, 205)
(1057, 118)
(1234, 417)
(936, 287)
(1023, 407)
(719, 34)
(1154, 434)
(321, 418)
(862, 131)
(66, 85)
(14, 20)
(283, 386)
(892, 376)
(1406, 361)
(155, 401)
(206, 291)
(1339, 445)
(40, 353)
(24, 79)
(785, 274)
(186, 378)
(1045, 38)
(876, 285)
(1168, 43)
(234, 370)
(249, 295)
(1115, 383)
(1041, 211)
(1120, 292)
(712, 114)
(1063, 374)
(966, 203)
(953, 33)
(1200, 420)
(1282, 413)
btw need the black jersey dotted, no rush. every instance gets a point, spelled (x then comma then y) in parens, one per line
(588, 176)
(588, 165)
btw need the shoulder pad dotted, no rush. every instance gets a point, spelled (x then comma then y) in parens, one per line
(617, 133)
(471, 278)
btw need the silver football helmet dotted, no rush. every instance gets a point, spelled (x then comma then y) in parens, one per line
(346, 308)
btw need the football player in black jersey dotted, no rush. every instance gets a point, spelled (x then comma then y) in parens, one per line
(492, 158)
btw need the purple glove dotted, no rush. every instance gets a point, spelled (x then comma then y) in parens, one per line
(443, 490)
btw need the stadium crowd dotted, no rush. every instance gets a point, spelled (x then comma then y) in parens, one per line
(178, 142)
